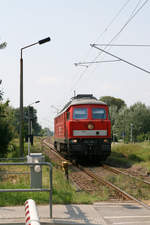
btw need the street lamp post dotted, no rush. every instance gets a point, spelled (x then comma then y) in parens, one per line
(30, 126)
(21, 132)
(54, 107)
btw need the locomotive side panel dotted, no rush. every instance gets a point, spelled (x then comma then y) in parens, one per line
(59, 127)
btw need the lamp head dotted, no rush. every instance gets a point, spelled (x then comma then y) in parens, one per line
(44, 40)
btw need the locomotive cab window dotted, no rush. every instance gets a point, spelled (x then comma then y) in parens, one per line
(80, 113)
(98, 113)
(68, 115)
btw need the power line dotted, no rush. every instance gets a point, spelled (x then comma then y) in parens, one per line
(110, 23)
(105, 30)
(134, 12)
(123, 60)
(109, 45)
(113, 19)
(102, 61)
(122, 45)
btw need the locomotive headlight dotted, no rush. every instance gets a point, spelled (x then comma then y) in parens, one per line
(74, 141)
(90, 126)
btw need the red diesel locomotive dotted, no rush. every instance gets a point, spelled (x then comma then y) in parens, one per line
(83, 129)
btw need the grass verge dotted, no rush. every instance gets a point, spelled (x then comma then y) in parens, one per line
(63, 191)
(128, 155)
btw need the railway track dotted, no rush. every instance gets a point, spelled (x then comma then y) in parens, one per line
(124, 194)
(100, 179)
(117, 171)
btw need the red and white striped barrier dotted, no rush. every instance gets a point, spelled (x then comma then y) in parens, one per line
(31, 213)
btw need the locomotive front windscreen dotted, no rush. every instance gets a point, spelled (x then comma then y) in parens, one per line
(93, 113)
(98, 113)
(80, 113)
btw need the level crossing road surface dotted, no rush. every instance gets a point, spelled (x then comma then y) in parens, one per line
(103, 213)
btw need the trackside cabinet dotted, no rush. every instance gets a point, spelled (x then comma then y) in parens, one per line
(35, 171)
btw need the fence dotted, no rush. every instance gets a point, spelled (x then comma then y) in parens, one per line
(33, 189)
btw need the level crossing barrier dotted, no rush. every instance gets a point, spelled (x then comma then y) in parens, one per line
(31, 213)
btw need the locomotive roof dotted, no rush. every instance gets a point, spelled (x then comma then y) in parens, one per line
(82, 100)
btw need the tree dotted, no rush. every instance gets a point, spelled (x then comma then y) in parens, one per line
(6, 129)
(46, 132)
(122, 122)
(115, 104)
(111, 101)
(1, 93)
(3, 45)
(133, 122)
(29, 113)
(128, 123)
(140, 118)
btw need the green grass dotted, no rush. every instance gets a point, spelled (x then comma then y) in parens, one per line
(137, 157)
(127, 155)
(63, 191)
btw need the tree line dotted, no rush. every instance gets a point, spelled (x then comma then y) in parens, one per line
(130, 124)
(10, 122)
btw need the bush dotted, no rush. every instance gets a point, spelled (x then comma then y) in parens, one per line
(141, 138)
(6, 130)
(135, 158)
(6, 136)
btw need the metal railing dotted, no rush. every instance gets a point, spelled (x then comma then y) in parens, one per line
(33, 189)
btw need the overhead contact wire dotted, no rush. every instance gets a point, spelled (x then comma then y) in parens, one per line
(105, 30)
(133, 14)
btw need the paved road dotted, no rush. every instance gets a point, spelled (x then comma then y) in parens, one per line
(123, 214)
(99, 213)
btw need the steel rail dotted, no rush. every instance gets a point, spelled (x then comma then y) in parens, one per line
(116, 171)
(123, 193)
(48, 144)
(51, 146)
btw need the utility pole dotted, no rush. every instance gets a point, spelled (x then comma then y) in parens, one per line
(131, 134)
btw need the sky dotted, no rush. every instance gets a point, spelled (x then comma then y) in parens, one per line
(49, 73)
